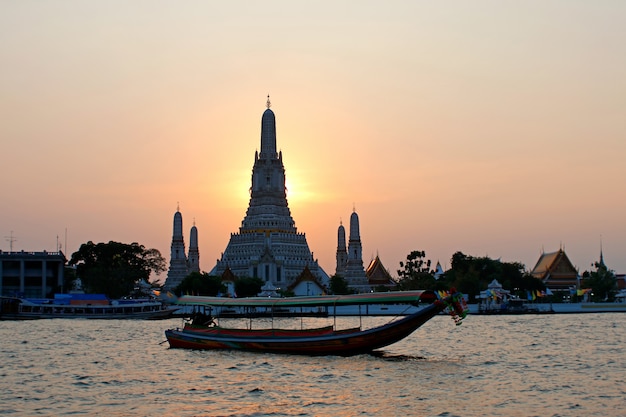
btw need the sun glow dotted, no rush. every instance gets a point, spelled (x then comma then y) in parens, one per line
(289, 190)
(299, 190)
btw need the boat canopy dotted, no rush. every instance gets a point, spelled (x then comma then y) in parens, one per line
(393, 297)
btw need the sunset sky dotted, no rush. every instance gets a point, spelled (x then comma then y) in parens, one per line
(492, 128)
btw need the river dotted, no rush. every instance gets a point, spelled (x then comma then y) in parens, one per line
(527, 365)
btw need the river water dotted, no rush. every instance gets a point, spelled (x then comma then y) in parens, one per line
(530, 365)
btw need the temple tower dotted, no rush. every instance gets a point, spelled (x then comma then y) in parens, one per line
(342, 253)
(193, 259)
(268, 245)
(353, 270)
(178, 261)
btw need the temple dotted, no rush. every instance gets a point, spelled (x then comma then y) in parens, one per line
(268, 244)
(182, 264)
(350, 260)
(556, 271)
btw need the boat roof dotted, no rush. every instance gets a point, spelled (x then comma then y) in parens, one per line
(393, 297)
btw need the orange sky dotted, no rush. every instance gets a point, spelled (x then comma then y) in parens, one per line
(482, 127)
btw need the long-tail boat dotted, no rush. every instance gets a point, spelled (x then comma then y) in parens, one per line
(318, 341)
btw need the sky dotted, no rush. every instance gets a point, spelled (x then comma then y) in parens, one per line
(492, 128)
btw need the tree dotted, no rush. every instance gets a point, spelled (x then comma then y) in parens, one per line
(513, 276)
(197, 283)
(416, 273)
(470, 275)
(114, 268)
(339, 286)
(461, 275)
(282, 292)
(248, 287)
(601, 281)
(69, 282)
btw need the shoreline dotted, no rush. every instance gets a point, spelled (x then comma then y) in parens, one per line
(402, 310)
(554, 308)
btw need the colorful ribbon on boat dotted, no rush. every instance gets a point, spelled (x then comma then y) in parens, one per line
(455, 306)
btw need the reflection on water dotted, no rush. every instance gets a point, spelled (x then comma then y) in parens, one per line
(553, 365)
(381, 354)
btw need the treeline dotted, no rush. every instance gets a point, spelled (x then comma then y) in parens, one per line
(201, 283)
(119, 269)
(468, 274)
(471, 275)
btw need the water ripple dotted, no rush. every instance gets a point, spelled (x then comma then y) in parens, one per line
(553, 365)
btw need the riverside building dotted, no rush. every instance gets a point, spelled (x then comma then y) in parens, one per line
(31, 274)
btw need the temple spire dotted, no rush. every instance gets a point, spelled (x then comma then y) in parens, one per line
(178, 260)
(268, 133)
(601, 254)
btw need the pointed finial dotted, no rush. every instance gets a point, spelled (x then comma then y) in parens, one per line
(178, 206)
(601, 254)
(268, 103)
(600, 245)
